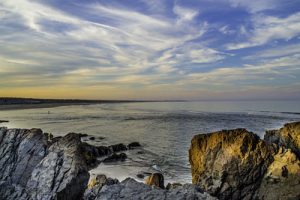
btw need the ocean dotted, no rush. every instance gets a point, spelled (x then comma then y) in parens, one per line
(164, 129)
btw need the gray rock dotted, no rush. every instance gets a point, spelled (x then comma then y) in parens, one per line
(31, 167)
(20, 151)
(131, 189)
(62, 174)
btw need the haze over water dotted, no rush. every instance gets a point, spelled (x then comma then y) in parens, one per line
(164, 129)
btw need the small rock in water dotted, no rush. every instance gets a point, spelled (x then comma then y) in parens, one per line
(116, 157)
(92, 138)
(118, 147)
(4, 121)
(141, 176)
(134, 145)
(156, 179)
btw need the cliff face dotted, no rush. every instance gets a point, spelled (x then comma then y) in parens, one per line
(237, 164)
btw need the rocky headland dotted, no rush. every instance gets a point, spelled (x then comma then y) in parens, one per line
(229, 164)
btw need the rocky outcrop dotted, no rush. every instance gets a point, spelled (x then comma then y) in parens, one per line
(288, 136)
(237, 164)
(31, 167)
(36, 166)
(131, 189)
(229, 164)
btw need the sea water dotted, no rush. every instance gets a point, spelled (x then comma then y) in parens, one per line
(164, 129)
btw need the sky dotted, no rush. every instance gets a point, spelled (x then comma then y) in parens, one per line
(150, 49)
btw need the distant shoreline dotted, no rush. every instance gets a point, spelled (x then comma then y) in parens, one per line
(30, 103)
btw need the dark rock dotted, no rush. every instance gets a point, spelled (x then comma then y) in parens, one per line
(92, 138)
(141, 176)
(104, 151)
(115, 157)
(134, 145)
(4, 121)
(156, 179)
(81, 135)
(118, 147)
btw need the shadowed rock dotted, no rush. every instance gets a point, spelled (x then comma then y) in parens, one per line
(288, 137)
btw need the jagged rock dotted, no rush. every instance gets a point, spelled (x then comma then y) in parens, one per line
(12, 192)
(20, 151)
(288, 137)
(156, 179)
(62, 174)
(115, 157)
(131, 189)
(31, 167)
(134, 145)
(230, 164)
(282, 180)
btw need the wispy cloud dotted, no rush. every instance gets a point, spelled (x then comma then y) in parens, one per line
(268, 28)
(117, 47)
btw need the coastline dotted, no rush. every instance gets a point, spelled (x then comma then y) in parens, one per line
(67, 163)
(6, 107)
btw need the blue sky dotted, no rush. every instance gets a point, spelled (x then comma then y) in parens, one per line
(150, 49)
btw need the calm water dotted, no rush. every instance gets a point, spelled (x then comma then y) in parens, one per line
(164, 129)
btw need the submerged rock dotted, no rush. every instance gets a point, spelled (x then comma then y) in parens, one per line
(118, 147)
(134, 145)
(115, 157)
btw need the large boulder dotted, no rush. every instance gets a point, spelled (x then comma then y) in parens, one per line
(31, 167)
(63, 173)
(230, 164)
(288, 136)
